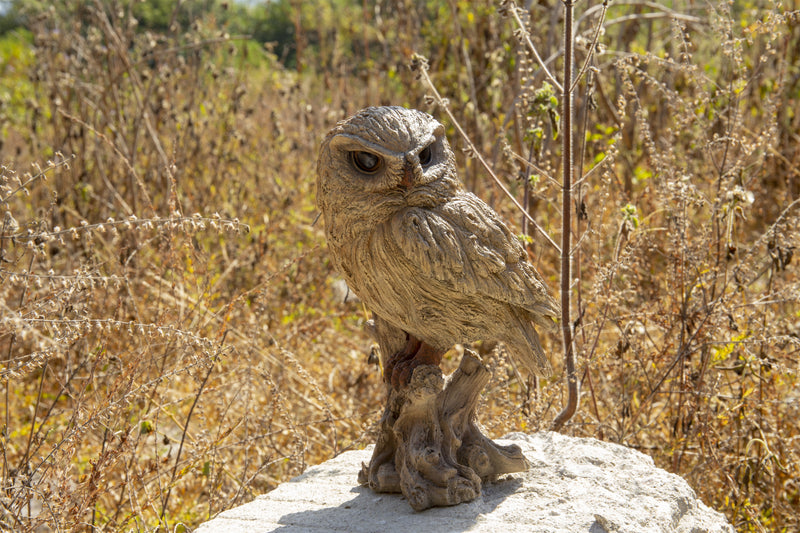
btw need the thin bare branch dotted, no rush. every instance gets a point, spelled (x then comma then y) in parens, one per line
(567, 115)
(592, 46)
(526, 37)
(533, 166)
(441, 102)
(652, 5)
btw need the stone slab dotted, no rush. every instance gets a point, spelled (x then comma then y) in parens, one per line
(574, 485)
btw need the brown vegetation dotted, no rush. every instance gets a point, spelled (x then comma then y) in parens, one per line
(170, 339)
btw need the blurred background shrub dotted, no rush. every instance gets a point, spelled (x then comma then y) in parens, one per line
(170, 339)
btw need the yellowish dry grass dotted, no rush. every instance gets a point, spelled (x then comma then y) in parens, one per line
(171, 341)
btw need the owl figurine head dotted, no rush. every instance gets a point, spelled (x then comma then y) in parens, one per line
(379, 161)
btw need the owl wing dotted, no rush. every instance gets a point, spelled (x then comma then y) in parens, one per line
(465, 245)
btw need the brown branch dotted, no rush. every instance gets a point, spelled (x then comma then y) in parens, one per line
(573, 387)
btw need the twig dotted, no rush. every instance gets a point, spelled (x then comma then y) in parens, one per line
(590, 172)
(186, 426)
(592, 47)
(652, 5)
(573, 387)
(420, 63)
(60, 160)
(530, 164)
(684, 349)
(125, 160)
(23, 462)
(523, 31)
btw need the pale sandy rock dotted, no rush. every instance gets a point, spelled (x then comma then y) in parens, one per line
(573, 485)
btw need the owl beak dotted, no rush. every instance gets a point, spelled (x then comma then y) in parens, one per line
(408, 177)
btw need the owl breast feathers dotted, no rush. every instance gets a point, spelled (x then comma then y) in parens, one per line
(422, 253)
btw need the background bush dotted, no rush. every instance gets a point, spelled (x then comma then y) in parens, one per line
(171, 339)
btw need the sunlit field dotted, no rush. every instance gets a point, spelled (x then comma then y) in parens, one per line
(174, 340)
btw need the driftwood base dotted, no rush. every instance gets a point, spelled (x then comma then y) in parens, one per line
(430, 447)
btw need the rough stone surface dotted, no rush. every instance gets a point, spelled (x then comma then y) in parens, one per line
(573, 485)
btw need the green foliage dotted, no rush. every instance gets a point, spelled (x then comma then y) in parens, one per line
(630, 216)
(158, 15)
(272, 24)
(545, 105)
(16, 57)
(9, 19)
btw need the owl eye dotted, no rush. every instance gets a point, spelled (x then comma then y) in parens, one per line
(366, 162)
(425, 156)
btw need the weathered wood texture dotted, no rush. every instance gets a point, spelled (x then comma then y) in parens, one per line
(430, 446)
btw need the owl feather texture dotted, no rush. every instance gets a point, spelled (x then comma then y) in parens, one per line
(426, 256)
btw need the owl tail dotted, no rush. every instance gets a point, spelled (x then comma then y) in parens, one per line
(527, 348)
(545, 316)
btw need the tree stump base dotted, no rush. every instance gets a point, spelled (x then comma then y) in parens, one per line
(430, 447)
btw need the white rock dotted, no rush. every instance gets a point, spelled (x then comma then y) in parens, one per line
(573, 485)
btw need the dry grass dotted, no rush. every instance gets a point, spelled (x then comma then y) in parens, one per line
(171, 341)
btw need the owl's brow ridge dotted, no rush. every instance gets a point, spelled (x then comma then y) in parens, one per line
(368, 145)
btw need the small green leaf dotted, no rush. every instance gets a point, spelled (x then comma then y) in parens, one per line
(630, 215)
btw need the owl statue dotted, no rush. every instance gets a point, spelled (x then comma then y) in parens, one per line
(426, 256)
